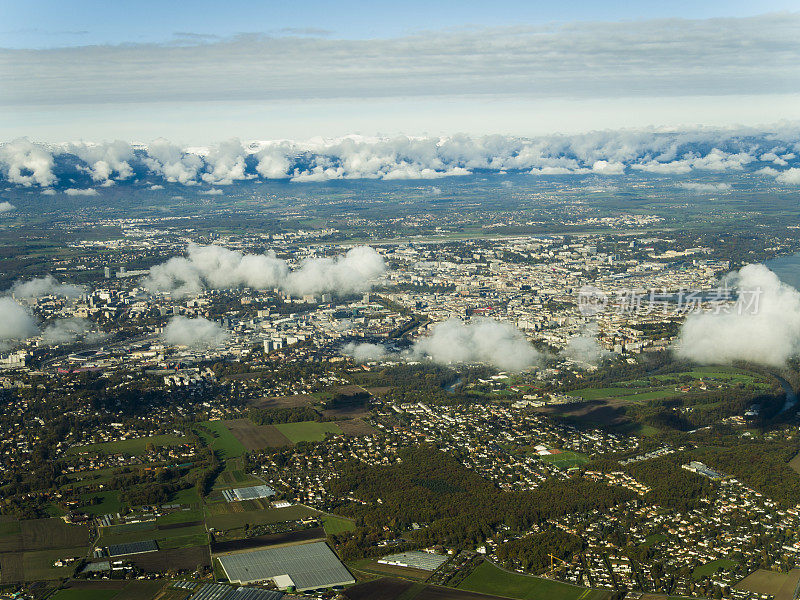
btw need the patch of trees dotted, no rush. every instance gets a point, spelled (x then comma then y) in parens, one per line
(272, 416)
(671, 486)
(456, 505)
(762, 465)
(532, 552)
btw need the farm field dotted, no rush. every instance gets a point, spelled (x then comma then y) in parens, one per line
(235, 520)
(780, 585)
(42, 534)
(85, 594)
(355, 427)
(256, 437)
(38, 565)
(488, 579)
(220, 439)
(134, 446)
(372, 566)
(173, 537)
(308, 431)
(107, 503)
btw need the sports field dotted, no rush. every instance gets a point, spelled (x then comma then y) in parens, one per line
(488, 579)
(308, 431)
(566, 459)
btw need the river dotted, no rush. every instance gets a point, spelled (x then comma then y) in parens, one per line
(787, 268)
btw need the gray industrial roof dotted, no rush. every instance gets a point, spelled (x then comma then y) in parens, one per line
(223, 591)
(132, 548)
(248, 493)
(309, 566)
(416, 559)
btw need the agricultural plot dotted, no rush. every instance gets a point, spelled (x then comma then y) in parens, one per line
(101, 503)
(177, 535)
(779, 585)
(42, 534)
(373, 567)
(489, 579)
(216, 435)
(294, 401)
(234, 520)
(38, 565)
(135, 446)
(182, 559)
(256, 437)
(308, 431)
(356, 427)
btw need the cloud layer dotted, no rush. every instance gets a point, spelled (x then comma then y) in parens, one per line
(665, 57)
(762, 327)
(45, 286)
(482, 340)
(194, 333)
(78, 169)
(215, 267)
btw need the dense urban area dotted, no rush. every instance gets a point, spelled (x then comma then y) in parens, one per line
(249, 397)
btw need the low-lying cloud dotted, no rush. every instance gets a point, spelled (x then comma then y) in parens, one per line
(364, 352)
(773, 154)
(45, 286)
(16, 323)
(65, 331)
(215, 267)
(481, 340)
(762, 327)
(194, 333)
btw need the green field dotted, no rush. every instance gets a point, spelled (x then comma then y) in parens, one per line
(108, 503)
(565, 459)
(655, 538)
(84, 594)
(334, 525)
(632, 394)
(38, 565)
(488, 579)
(220, 439)
(712, 567)
(308, 431)
(166, 538)
(134, 446)
(235, 520)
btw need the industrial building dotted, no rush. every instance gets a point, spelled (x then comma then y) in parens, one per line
(301, 567)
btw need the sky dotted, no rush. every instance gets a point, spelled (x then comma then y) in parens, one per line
(202, 72)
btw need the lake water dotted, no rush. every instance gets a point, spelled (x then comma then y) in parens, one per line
(787, 268)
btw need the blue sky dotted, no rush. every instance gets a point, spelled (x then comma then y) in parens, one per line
(199, 72)
(54, 23)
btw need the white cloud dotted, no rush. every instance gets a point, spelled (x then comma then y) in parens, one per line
(603, 167)
(763, 326)
(6, 206)
(215, 267)
(45, 286)
(27, 164)
(695, 186)
(105, 160)
(199, 332)
(65, 331)
(364, 352)
(790, 176)
(81, 192)
(212, 192)
(16, 323)
(649, 58)
(481, 340)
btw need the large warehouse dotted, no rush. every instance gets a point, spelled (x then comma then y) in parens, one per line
(303, 567)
